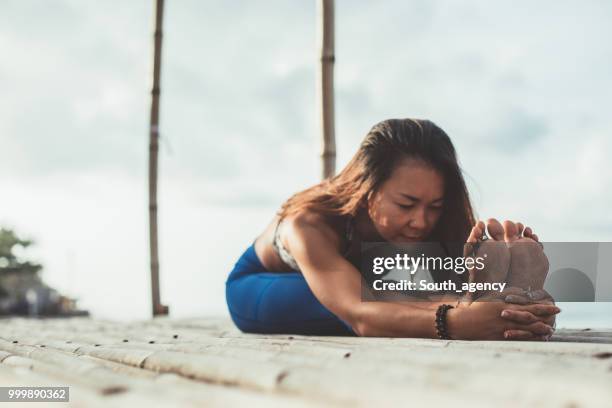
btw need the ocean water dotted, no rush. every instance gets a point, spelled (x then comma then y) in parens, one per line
(585, 315)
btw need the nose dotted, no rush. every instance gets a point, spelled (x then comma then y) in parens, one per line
(419, 220)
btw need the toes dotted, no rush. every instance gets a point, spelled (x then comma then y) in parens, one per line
(475, 234)
(520, 227)
(510, 231)
(480, 224)
(495, 229)
(474, 238)
(528, 233)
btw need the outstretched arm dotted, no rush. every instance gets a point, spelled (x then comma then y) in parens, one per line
(337, 285)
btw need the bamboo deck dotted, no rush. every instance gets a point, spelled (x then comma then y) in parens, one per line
(208, 362)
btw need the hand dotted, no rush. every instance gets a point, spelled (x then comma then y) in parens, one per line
(524, 297)
(539, 297)
(484, 321)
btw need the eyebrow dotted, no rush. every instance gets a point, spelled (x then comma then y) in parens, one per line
(413, 198)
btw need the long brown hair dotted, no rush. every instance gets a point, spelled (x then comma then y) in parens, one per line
(383, 147)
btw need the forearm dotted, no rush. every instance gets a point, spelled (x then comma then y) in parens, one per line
(475, 321)
(406, 319)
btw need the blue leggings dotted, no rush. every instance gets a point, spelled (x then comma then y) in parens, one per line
(277, 302)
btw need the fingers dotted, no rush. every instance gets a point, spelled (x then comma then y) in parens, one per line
(524, 335)
(542, 296)
(529, 320)
(519, 316)
(518, 335)
(525, 317)
(538, 328)
(550, 321)
(517, 299)
(516, 295)
(540, 309)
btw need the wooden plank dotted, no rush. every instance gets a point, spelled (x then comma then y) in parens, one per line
(203, 393)
(64, 366)
(4, 355)
(207, 368)
(327, 345)
(122, 368)
(132, 357)
(316, 369)
(216, 369)
(583, 339)
(106, 382)
(21, 377)
(172, 364)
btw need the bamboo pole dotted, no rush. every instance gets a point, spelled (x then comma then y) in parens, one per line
(325, 86)
(158, 308)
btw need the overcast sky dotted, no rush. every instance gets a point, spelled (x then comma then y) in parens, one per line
(522, 88)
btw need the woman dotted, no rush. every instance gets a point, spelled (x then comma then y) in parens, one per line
(403, 185)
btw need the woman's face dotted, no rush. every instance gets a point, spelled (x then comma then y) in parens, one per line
(408, 205)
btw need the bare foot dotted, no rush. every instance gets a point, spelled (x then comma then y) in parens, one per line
(528, 263)
(493, 252)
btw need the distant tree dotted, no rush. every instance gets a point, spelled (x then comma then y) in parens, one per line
(22, 291)
(9, 261)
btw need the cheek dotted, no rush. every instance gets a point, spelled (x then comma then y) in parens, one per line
(388, 219)
(433, 217)
(395, 220)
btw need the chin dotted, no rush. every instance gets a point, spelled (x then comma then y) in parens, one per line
(404, 238)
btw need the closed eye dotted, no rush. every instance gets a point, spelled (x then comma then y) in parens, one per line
(406, 206)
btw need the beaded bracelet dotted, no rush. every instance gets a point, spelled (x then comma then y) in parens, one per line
(441, 328)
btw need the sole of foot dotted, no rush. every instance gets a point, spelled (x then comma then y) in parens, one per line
(528, 262)
(493, 253)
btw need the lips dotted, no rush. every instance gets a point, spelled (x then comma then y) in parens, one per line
(412, 238)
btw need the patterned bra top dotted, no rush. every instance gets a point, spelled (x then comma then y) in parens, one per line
(290, 260)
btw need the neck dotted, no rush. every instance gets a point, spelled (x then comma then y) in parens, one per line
(365, 227)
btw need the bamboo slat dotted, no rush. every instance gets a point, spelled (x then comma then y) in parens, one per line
(202, 361)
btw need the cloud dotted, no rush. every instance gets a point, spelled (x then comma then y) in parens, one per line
(71, 89)
(526, 108)
(516, 130)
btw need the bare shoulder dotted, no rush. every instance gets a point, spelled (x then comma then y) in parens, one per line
(310, 226)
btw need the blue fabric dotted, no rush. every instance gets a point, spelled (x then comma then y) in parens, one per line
(260, 301)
